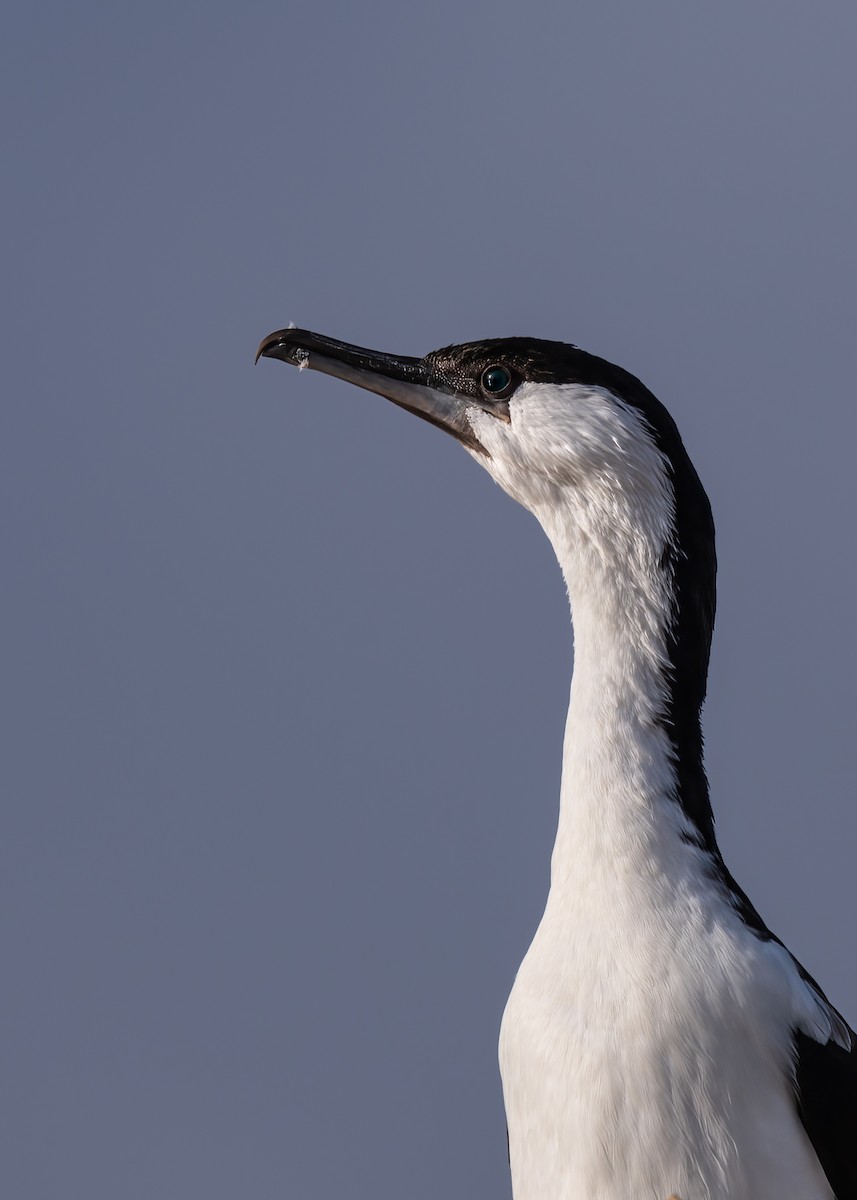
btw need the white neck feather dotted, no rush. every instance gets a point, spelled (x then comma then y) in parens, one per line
(618, 784)
(603, 494)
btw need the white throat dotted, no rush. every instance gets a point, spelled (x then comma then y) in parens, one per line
(617, 799)
(609, 515)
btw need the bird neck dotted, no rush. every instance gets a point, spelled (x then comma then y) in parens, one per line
(633, 776)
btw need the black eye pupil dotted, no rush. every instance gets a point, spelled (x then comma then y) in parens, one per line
(496, 379)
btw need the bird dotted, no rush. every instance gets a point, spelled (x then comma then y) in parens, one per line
(659, 1041)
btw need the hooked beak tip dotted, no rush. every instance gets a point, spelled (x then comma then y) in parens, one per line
(267, 347)
(288, 345)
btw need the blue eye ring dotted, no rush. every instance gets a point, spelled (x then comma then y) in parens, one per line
(496, 381)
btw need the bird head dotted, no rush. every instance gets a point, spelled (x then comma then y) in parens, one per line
(575, 439)
(597, 459)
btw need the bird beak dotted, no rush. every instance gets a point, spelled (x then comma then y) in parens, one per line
(408, 382)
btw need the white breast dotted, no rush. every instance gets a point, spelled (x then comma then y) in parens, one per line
(644, 1054)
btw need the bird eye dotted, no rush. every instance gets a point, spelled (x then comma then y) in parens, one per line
(496, 381)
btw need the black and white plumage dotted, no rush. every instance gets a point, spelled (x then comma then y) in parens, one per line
(659, 1040)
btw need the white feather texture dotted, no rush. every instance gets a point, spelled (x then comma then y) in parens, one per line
(645, 1048)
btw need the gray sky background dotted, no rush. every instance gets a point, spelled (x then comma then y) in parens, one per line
(284, 673)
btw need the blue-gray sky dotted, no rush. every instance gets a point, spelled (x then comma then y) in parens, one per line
(284, 673)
